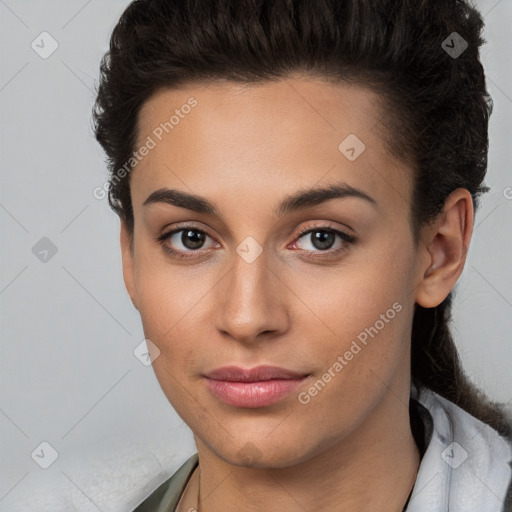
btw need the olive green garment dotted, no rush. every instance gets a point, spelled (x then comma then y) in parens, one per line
(166, 497)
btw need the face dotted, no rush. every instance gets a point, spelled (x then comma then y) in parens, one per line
(229, 270)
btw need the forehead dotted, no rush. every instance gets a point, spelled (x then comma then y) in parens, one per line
(261, 140)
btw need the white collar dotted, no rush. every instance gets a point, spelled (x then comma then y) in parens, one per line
(467, 466)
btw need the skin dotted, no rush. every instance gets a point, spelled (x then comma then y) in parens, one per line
(245, 149)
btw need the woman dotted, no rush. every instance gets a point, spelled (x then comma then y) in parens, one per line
(296, 182)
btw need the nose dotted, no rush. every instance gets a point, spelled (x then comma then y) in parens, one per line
(251, 303)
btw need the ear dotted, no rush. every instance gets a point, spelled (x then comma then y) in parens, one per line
(444, 248)
(128, 263)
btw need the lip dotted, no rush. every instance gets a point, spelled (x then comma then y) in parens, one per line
(252, 387)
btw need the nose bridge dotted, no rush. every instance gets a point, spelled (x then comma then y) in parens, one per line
(250, 303)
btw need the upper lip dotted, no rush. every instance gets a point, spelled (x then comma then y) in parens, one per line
(258, 373)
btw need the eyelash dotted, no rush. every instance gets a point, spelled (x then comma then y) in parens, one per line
(345, 237)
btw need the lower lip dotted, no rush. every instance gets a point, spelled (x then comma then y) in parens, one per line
(253, 394)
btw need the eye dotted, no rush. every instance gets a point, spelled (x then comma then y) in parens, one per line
(322, 239)
(179, 242)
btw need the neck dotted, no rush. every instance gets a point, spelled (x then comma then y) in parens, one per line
(374, 468)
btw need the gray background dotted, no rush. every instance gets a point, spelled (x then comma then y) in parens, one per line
(68, 373)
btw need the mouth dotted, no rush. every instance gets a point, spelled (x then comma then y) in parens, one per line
(255, 387)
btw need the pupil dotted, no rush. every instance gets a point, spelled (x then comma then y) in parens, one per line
(322, 239)
(192, 239)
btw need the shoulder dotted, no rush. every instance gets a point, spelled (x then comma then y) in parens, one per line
(467, 465)
(165, 497)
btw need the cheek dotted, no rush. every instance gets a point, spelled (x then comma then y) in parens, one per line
(367, 326)
(369, 317)
(350, 298)
(170, 313)
(365, 313)
(173, 307)
(165, 298)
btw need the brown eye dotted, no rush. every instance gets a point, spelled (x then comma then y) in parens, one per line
(184, 242)
(192, 238)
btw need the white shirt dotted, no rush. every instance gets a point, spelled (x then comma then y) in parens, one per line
(467, 466)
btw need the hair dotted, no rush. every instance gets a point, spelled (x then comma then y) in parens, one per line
(436, 106)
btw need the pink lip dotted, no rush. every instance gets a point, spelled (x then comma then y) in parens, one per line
(254, 387)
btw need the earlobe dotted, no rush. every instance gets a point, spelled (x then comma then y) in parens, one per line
(128, 262)
(445, 249)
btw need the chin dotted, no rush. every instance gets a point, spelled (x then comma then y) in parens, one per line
(261, 453)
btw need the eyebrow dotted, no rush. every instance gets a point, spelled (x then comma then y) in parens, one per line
(298, 201)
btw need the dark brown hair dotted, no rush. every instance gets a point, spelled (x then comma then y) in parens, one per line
(436, 104)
